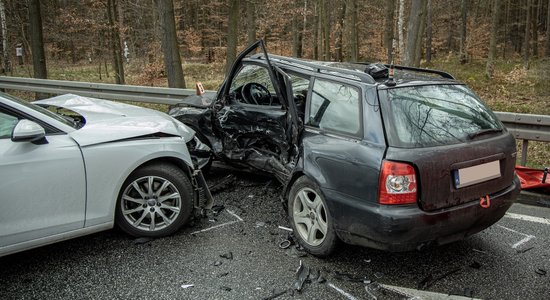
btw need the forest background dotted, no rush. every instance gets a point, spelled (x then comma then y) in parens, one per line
(500, 48)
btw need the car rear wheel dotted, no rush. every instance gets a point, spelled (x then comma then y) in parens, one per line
(156, 200)
(310, 218)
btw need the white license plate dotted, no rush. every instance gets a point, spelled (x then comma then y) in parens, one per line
(476, 174)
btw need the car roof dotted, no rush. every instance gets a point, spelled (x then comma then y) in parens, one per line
(359, 71)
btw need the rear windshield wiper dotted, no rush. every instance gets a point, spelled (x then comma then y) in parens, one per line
(484, 131)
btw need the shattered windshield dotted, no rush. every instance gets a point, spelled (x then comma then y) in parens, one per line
(252, 73)
(431, 115)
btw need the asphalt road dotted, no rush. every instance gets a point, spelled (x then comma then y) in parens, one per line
(501, 262)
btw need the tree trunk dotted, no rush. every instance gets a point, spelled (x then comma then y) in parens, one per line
(414, 33)
(36, 40)
(251, 22)
(296, 31)
(112, 15)
(316, 30)
(489, 69)
(354, 43)
(527, 38)
(5, 49)
(548, 31)
(232, 32)
(429, 33)
(463, 56)
(169, 43)
(388, 32)
(400, 29)
(326, 30)
(420, 33)
(340, 37)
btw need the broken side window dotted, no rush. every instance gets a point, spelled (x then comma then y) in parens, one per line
(300, 86)
(252, 85)
(335, 107)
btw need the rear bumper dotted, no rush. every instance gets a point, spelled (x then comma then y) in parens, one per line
(407, 227)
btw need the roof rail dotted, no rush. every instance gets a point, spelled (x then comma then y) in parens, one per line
(316, 66)
(419, 70)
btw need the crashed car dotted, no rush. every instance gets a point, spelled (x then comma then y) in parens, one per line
(388, 157)
(90, 164)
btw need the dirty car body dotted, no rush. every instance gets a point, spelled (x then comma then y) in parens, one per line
(73, 165)
(389, 163)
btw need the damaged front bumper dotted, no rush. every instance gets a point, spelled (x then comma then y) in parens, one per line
(407, 227)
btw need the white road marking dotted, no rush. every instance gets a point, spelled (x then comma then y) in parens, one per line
(527, 237)
(514, 231)
(342, 292)
(214, 227)
(239, 219)
(417, 294)
(527, 218)
(523, 241)
(235, 215)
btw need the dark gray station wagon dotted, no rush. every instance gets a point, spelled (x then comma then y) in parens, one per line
(366, 158)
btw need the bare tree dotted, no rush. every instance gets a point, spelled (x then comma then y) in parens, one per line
(388, 32)
(5, 57)
(250, 22)
(400, 29)
(169, 42)
(232, 32)
(429, 35)
(463, 56)
(354, 40)
(527, 37)
(114, 34)
(36, 39)
(415, 30)
(548, 31)
(489, 69)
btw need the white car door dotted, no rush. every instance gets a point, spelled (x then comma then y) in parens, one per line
(42, 186)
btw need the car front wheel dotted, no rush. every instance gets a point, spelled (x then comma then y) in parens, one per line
(310, 218)
(156, 200)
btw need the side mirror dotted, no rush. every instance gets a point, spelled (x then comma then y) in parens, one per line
(27, 131)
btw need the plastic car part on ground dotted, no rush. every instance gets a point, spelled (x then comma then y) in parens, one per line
(533, 178)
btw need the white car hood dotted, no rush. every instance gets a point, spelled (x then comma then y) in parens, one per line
(108, 121)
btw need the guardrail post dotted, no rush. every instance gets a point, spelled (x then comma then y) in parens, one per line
(524, 152)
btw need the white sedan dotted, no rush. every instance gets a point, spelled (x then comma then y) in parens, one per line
(90, 165)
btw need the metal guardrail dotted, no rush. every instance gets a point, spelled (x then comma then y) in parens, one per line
(527, 128)
(98, 90)
(523, 126)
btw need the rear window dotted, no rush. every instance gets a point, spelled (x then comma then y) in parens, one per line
(432, 115)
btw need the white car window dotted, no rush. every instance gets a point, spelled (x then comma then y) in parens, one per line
(7, 123)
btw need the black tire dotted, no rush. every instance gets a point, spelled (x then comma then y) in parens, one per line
(306, 204)
(155, 213)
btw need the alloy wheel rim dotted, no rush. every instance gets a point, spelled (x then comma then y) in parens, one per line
(310, 217)
(151, 203)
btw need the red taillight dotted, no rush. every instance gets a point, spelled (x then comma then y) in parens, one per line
(397, 183)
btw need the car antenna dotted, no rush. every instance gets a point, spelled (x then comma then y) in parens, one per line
(391, 81)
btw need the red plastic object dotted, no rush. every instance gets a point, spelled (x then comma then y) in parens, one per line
(532, 178)
(485, 202)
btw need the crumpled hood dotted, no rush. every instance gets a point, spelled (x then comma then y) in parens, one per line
(108, 121)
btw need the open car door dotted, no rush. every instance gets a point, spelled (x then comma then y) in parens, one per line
(253, 118)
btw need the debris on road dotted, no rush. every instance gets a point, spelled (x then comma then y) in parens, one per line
(519, 251)
(217, 263)
(225, 288)
(475, 265)
(429, 280)
(142, 240)
(349, 277)
(228, 255)
(285, 228)
(480, 251)
(302, 273)
(223, 274)
(186, 286)
(541, 272)
(216, 209)
(224, 183)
